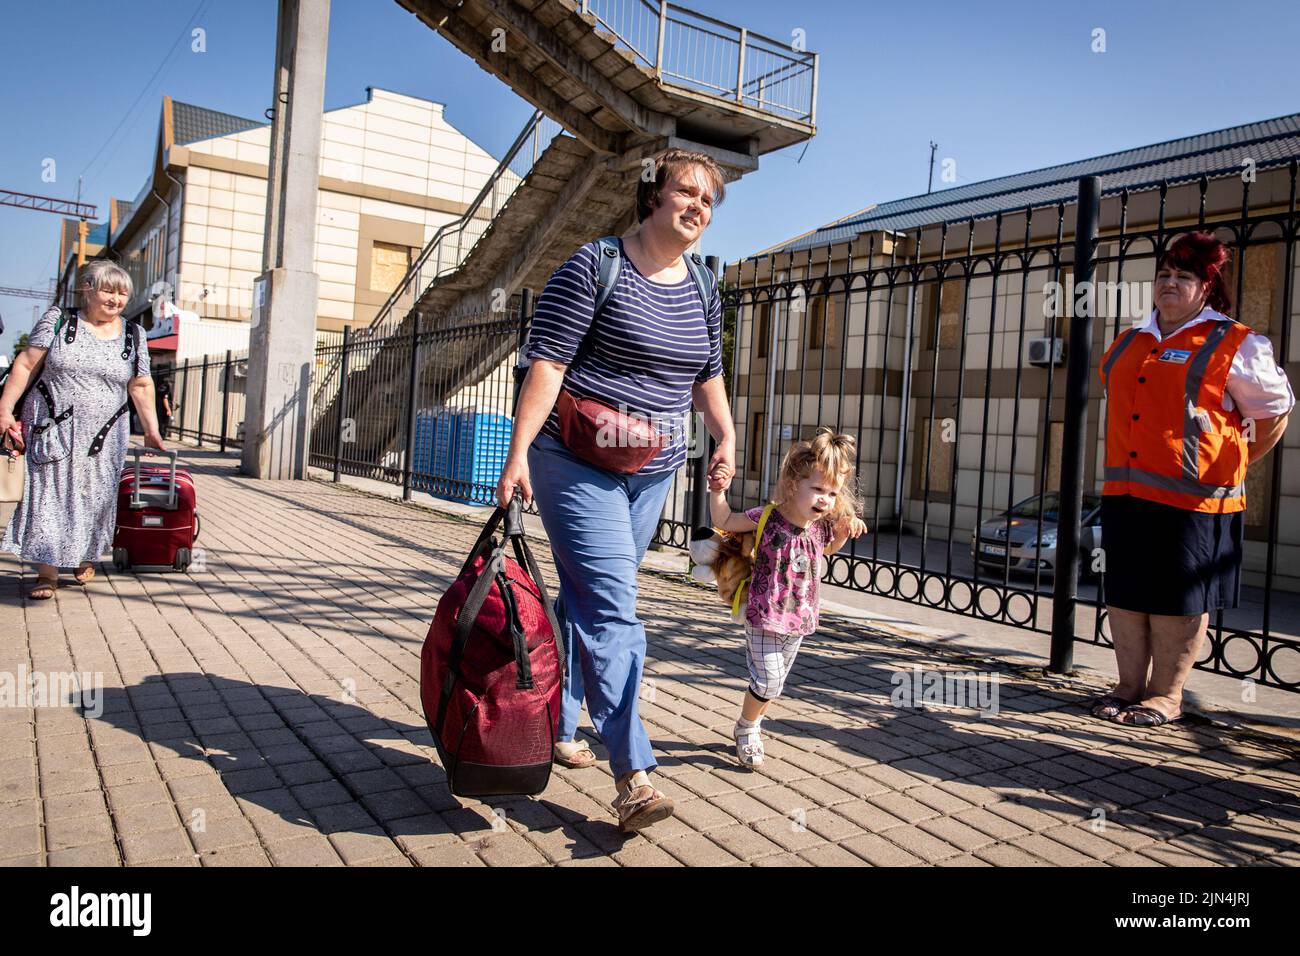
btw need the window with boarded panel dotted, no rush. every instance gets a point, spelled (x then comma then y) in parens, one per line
(388, 264)
(939, 436)
(821, 321)
(948, 309)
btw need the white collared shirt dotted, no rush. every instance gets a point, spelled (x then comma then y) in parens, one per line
(1256, 386)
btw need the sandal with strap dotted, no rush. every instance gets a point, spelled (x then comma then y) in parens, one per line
(574, 754)
(1107, 706)
(1143, 716)
(641, 806)
(44, 589)
(85, 573)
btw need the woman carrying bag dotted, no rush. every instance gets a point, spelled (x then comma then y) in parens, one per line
(609, 359)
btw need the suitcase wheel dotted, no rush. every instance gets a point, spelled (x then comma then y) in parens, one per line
(182, 559)
(121, 560)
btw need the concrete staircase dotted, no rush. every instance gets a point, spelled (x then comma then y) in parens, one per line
(625, 79)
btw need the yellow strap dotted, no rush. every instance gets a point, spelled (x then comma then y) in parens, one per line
(753, 555)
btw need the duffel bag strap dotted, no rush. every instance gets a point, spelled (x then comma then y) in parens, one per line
(523, 664)
(464, 625)
(514, 531)
(524, 555)
(484, 540)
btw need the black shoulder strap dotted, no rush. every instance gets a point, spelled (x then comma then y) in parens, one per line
(132, 342)
(607, 272)
(703, 279)
(69, 334)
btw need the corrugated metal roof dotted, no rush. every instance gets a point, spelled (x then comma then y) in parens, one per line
(1269, 142)
(193, 123)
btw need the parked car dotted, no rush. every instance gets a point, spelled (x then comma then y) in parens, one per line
(1017, 539)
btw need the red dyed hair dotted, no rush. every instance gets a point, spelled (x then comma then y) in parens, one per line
(1207, 257)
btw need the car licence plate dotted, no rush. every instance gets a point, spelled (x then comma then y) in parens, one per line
(995, 550)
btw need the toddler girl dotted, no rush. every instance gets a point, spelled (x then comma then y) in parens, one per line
(813, 511)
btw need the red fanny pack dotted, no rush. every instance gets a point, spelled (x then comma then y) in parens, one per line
(605, 437)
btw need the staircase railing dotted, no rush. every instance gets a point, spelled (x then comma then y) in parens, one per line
(688, 49)
(453, 241)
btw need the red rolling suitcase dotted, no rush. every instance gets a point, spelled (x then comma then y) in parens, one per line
(157, 521)
(492, 669)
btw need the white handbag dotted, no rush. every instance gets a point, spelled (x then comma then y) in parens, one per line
(12, 475)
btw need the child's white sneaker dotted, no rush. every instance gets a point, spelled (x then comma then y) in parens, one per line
(749, 747)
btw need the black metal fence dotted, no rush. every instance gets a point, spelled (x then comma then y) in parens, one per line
(920, 344)
(207, 398)
(942, 349)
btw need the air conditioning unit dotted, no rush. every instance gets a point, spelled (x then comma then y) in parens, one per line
(1046, 351)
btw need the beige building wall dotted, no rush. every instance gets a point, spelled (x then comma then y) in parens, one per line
(393, 170)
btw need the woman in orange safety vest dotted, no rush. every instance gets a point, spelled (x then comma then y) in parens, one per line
(1192, 399)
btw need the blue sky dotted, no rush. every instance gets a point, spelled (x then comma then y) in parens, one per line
(1003, 87)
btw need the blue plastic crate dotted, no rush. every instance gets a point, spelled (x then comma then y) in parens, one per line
(435, 444)
(484, 442)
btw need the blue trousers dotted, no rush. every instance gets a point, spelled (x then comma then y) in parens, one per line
(599, 523)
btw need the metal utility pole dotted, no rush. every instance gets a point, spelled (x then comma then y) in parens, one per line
(283, 337)
(929, 184)
(1065, 587)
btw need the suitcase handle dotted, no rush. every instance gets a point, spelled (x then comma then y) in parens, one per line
(137, 451)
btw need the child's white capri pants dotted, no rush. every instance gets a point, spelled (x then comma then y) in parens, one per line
(770, 655)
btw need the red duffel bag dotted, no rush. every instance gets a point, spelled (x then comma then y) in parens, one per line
(492, 669)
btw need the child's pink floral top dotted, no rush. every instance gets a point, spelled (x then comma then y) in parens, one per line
(783, 595)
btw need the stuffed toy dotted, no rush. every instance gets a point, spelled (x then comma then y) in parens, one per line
(725, 558)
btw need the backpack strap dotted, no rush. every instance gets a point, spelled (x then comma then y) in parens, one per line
(703, 279)
(65, 315)
(753, 555)
(54, 417)
(607, 270)
(132, 344)
(611, 265)
(73, 320)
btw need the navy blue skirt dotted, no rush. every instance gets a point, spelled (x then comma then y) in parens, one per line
(1166, 560)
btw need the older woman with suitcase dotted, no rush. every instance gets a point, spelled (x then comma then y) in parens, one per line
(85, 369)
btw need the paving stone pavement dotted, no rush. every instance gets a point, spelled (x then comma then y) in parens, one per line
(264, 709)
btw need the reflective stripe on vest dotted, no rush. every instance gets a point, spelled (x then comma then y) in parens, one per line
(1195, 375)
(1184, 486)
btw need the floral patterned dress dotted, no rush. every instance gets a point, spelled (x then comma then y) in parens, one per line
(69, 507)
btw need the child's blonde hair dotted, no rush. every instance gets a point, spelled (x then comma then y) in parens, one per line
(835, 456)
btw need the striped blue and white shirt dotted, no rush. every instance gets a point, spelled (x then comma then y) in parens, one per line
(651, 343)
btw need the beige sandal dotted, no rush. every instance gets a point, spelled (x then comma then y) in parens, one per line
(574, 754)
(638, 807)
(85, 573)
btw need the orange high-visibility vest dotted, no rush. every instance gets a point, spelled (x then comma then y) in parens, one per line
(1168, 437)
